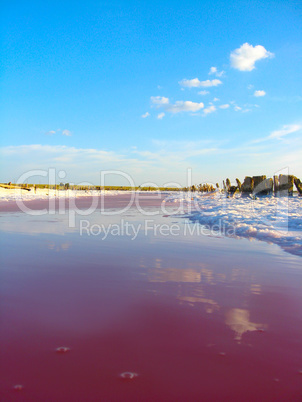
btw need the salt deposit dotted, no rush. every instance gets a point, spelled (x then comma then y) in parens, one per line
(275, 220)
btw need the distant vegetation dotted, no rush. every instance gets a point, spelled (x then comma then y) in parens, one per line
(259, 185)
(68, 186)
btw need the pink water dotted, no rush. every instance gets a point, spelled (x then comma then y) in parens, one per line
(195, 317)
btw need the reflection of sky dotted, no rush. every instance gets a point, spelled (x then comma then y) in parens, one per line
(51, 245)
(35, 225)
(205, 281)
(174, 275)
(214, 276)
(58, 224)
(239, 321)
(210, 305)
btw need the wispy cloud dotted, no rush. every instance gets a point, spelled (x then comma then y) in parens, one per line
(285, 130)
(178, 151)
(279, 134)
(145, 115)
(214, 70)
(163, 160)
(67, 133)
(195, 83)
(204, 92)
(58, 150)
(209, 109)
(161, 116)
(225, 106)
(245, 57)
(177, 107)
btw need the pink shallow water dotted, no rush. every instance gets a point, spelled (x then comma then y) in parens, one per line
(107, 201)
(165, 318)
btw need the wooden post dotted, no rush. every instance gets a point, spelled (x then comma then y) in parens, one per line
(298, 185)
(248, 185)
(238, 184)
(286, 184)
(276, 184)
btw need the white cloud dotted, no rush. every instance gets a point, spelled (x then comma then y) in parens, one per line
(215, 99)
(196, 83)
(213, 70)
(245, 57)
(67, 133)
(259, 93)
(159, 100)
(179, 106)
(237, 108)
(203, 92)
(224, 106)
(285, 130)
(51, 132)
(190, 83)
(210, 83)
(209, 109)
(147, 114)
(185, 106)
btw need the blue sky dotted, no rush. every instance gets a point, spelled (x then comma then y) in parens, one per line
(151, 89)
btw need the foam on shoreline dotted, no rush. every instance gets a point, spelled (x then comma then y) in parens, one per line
(270, 219)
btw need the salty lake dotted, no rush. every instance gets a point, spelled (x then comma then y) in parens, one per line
(193, 317)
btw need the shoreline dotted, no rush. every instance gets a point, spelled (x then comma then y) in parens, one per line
(274, 220)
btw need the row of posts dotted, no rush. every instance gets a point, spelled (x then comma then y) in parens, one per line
(260, 185)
